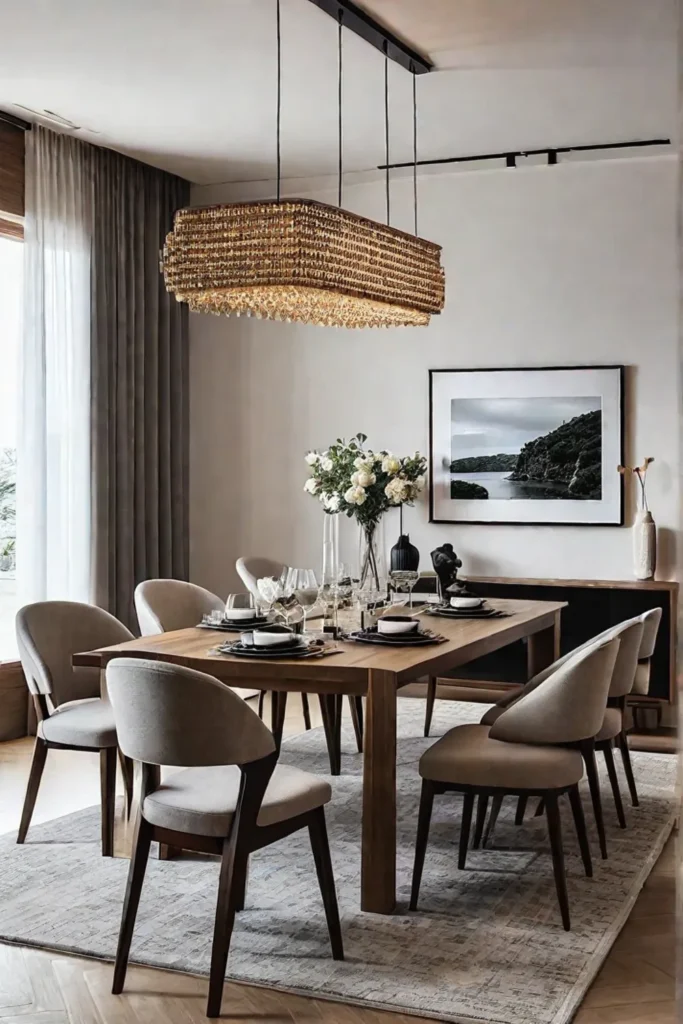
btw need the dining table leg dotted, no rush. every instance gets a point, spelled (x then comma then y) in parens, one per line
(543, 648)
(378, 857)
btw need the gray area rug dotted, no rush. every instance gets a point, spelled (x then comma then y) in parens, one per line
(487, 944)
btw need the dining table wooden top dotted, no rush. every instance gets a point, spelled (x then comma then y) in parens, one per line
(348, 668)
(377, 672)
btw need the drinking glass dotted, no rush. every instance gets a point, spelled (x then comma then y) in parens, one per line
(401, 583)
(306, 590)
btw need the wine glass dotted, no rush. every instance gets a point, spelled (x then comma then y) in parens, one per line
(401, 582)
(306, 590)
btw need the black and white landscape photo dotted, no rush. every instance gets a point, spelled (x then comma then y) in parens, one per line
(527, 445)
(526, 448)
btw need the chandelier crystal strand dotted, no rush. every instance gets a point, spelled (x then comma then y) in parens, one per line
(296, 259)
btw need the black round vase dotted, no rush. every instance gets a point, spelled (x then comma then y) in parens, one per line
(404, 555)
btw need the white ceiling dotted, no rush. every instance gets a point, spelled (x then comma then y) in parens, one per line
(189, 85)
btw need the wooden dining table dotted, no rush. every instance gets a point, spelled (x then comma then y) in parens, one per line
(376, 672)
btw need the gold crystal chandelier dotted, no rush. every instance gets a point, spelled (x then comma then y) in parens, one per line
(304, 261)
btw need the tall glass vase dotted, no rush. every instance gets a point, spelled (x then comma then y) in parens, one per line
(371, 558)
(329, 577)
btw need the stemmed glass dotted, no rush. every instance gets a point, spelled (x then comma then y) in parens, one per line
(306, 590)
(401, 582)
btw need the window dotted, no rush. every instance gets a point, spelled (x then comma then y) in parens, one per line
(11, 278)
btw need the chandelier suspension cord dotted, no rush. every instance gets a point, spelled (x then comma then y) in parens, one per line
(386, 125)
(415, 149)
(279, 95)
(339, 90)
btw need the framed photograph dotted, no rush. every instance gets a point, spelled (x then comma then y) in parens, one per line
(535, 446)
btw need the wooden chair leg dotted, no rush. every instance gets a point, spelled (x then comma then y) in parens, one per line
(332, 727)
(320, 846)
(261, 702)
(356, 706)
(278, 708)
(223, 925)
(582, 834)
(540, 810)
(465, 825)
(306, 710)
(35, 775)
(424, 818)
(622, 743)
(128, 775)
(614, 783)
(496, 805)
(588, 752)
(552, 812)
(482, 807)
(108, 795)
(429, 708)
(239, 882)
(521, 808)
(131, 900)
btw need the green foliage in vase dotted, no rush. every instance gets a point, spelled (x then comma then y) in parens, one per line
(361, 483)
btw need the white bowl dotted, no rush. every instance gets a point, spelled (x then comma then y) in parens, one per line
(397, 624)
(240, 614)
(466, 602)
(269, 636)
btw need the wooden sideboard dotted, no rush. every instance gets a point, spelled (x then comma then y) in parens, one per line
(592, 606)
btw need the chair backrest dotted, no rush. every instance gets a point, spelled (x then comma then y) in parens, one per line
(165, 605)
(568, 706)
(253, 568)
(167, 714)
(651, 621)
(49, 633)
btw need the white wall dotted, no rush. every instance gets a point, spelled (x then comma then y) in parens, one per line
(562, 265)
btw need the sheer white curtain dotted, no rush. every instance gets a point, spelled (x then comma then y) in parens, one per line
(53, 450)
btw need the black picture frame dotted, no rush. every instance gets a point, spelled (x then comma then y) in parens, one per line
(619, 369)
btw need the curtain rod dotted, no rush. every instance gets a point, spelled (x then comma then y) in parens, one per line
(511, 156)
(25, 126)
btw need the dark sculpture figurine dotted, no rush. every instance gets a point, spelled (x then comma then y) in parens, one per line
(446, 564)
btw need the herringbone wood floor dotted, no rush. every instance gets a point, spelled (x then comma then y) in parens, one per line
(635, 985)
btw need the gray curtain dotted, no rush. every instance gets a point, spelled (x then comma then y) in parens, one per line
(139, 385)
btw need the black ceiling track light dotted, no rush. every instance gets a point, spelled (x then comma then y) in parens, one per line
(357, 20)
(512, 156)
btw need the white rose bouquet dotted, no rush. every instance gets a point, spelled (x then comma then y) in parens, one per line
(363, 484)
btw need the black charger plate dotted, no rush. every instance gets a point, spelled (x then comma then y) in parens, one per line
(243, 626)
(466, 613)
(241, 650)
(372, 636)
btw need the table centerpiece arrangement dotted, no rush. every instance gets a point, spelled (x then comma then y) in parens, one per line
(349, 479)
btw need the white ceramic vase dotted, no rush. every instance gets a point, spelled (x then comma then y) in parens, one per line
(644, 545)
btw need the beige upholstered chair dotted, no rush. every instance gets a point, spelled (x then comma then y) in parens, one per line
(250, 570)
(254, 568)
(71, 714)
(534, 748)
(231, 800)
(165, 605)
(635, 678)
(630, 635)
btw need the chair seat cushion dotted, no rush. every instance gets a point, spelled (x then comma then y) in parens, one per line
(202, 801)
(81, 723)
(612, 725)
(467, 756)
(492, 715)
